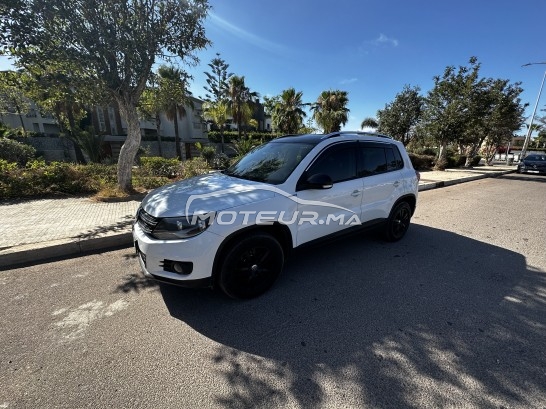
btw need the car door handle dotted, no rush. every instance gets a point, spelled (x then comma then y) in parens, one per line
(396, 184)
(355, 193)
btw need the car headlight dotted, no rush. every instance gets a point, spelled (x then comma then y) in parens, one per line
(176, 228)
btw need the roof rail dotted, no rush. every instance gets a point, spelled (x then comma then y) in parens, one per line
(341, 133)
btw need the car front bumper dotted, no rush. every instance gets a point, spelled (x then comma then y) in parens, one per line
(156, 257)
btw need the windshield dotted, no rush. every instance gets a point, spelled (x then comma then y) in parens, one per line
(270, 163)
(536, 158)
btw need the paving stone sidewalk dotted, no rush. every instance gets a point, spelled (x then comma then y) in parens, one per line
(36, 230)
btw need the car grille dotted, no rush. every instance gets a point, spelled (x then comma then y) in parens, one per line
(146, 221)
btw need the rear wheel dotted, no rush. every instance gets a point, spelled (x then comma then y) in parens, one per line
(250, 266)
(398, 222)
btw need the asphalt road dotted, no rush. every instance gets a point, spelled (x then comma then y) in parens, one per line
(454, 315)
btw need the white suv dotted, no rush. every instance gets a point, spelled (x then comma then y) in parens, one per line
(234, 229)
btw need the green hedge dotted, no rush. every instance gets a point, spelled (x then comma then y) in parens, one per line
(421, 162)
(229, 136)
(156, 166)
(41, 179)
(13, 151)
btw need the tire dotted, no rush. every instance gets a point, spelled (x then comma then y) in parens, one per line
(250, 266)
(398, 222)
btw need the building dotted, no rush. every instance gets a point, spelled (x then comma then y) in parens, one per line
(44, 131)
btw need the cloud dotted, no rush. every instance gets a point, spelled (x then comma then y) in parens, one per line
(245, 35)
(348, 81)
(384, 40)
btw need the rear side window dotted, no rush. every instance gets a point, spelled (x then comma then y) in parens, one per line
(378, 158)
(394, 160)
(373, 161)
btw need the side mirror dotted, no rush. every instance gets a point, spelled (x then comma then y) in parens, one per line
(319, 181)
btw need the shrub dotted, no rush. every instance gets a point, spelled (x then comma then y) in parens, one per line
(230, 136)
(455, 161)
(41, 179)
(158, 166)
(221, 161)
(194, 167)
(13, 151)
(150, 182)
(421, 162)
(243, 146)
(476, 160)
(208, 152)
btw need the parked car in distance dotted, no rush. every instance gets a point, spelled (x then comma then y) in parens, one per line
(534, 163)
(233, 229)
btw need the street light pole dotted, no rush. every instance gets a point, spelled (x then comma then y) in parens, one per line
(530, 130)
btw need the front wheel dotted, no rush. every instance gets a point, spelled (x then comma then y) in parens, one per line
(250, 266)
(398, 222)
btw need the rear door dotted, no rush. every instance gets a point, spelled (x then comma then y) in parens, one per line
(381, 168)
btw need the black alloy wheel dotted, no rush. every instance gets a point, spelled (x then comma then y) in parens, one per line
(250, 266)
(398, 222)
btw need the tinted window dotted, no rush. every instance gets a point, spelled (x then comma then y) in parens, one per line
(378, 158)
(394, 160)
(373, 160)
(338, 163)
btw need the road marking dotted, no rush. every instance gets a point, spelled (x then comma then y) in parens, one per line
(78, 319)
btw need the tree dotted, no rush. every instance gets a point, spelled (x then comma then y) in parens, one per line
(173, 98)
(240, 101)
(217, 112)
(114, 45)
(12, 96)
(399, 118)
(369, 123)
(330, 111)
(217, 80)
(150, 107)
(63, 94)
(497, 114)
(447, 106)
(288, 113)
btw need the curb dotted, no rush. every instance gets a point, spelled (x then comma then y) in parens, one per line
(446, 183)
(29, 254)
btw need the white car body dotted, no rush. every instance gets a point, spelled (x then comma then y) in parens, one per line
(292, 215)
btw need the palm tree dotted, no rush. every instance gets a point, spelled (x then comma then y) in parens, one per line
(288, 113)
(241, 101)
(330, 111)
(369, 123)
(174, 97)
(217, 112)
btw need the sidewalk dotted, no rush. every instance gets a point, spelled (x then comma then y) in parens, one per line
(38, 230)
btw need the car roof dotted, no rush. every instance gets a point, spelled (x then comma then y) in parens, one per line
(317, 138)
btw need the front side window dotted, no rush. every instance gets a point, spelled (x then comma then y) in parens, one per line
(338, 163)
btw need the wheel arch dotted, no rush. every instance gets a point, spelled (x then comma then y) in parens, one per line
(280, 232)
(410, 199)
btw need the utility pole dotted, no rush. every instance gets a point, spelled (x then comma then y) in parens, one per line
(530, 130)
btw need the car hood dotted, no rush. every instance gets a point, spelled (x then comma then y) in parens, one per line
(203, 194)
(537, 163)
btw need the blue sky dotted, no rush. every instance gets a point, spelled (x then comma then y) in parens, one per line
(372, 48)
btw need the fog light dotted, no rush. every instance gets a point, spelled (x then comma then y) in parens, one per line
(178, 267)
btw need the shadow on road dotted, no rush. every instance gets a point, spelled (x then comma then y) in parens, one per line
(437, 316)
